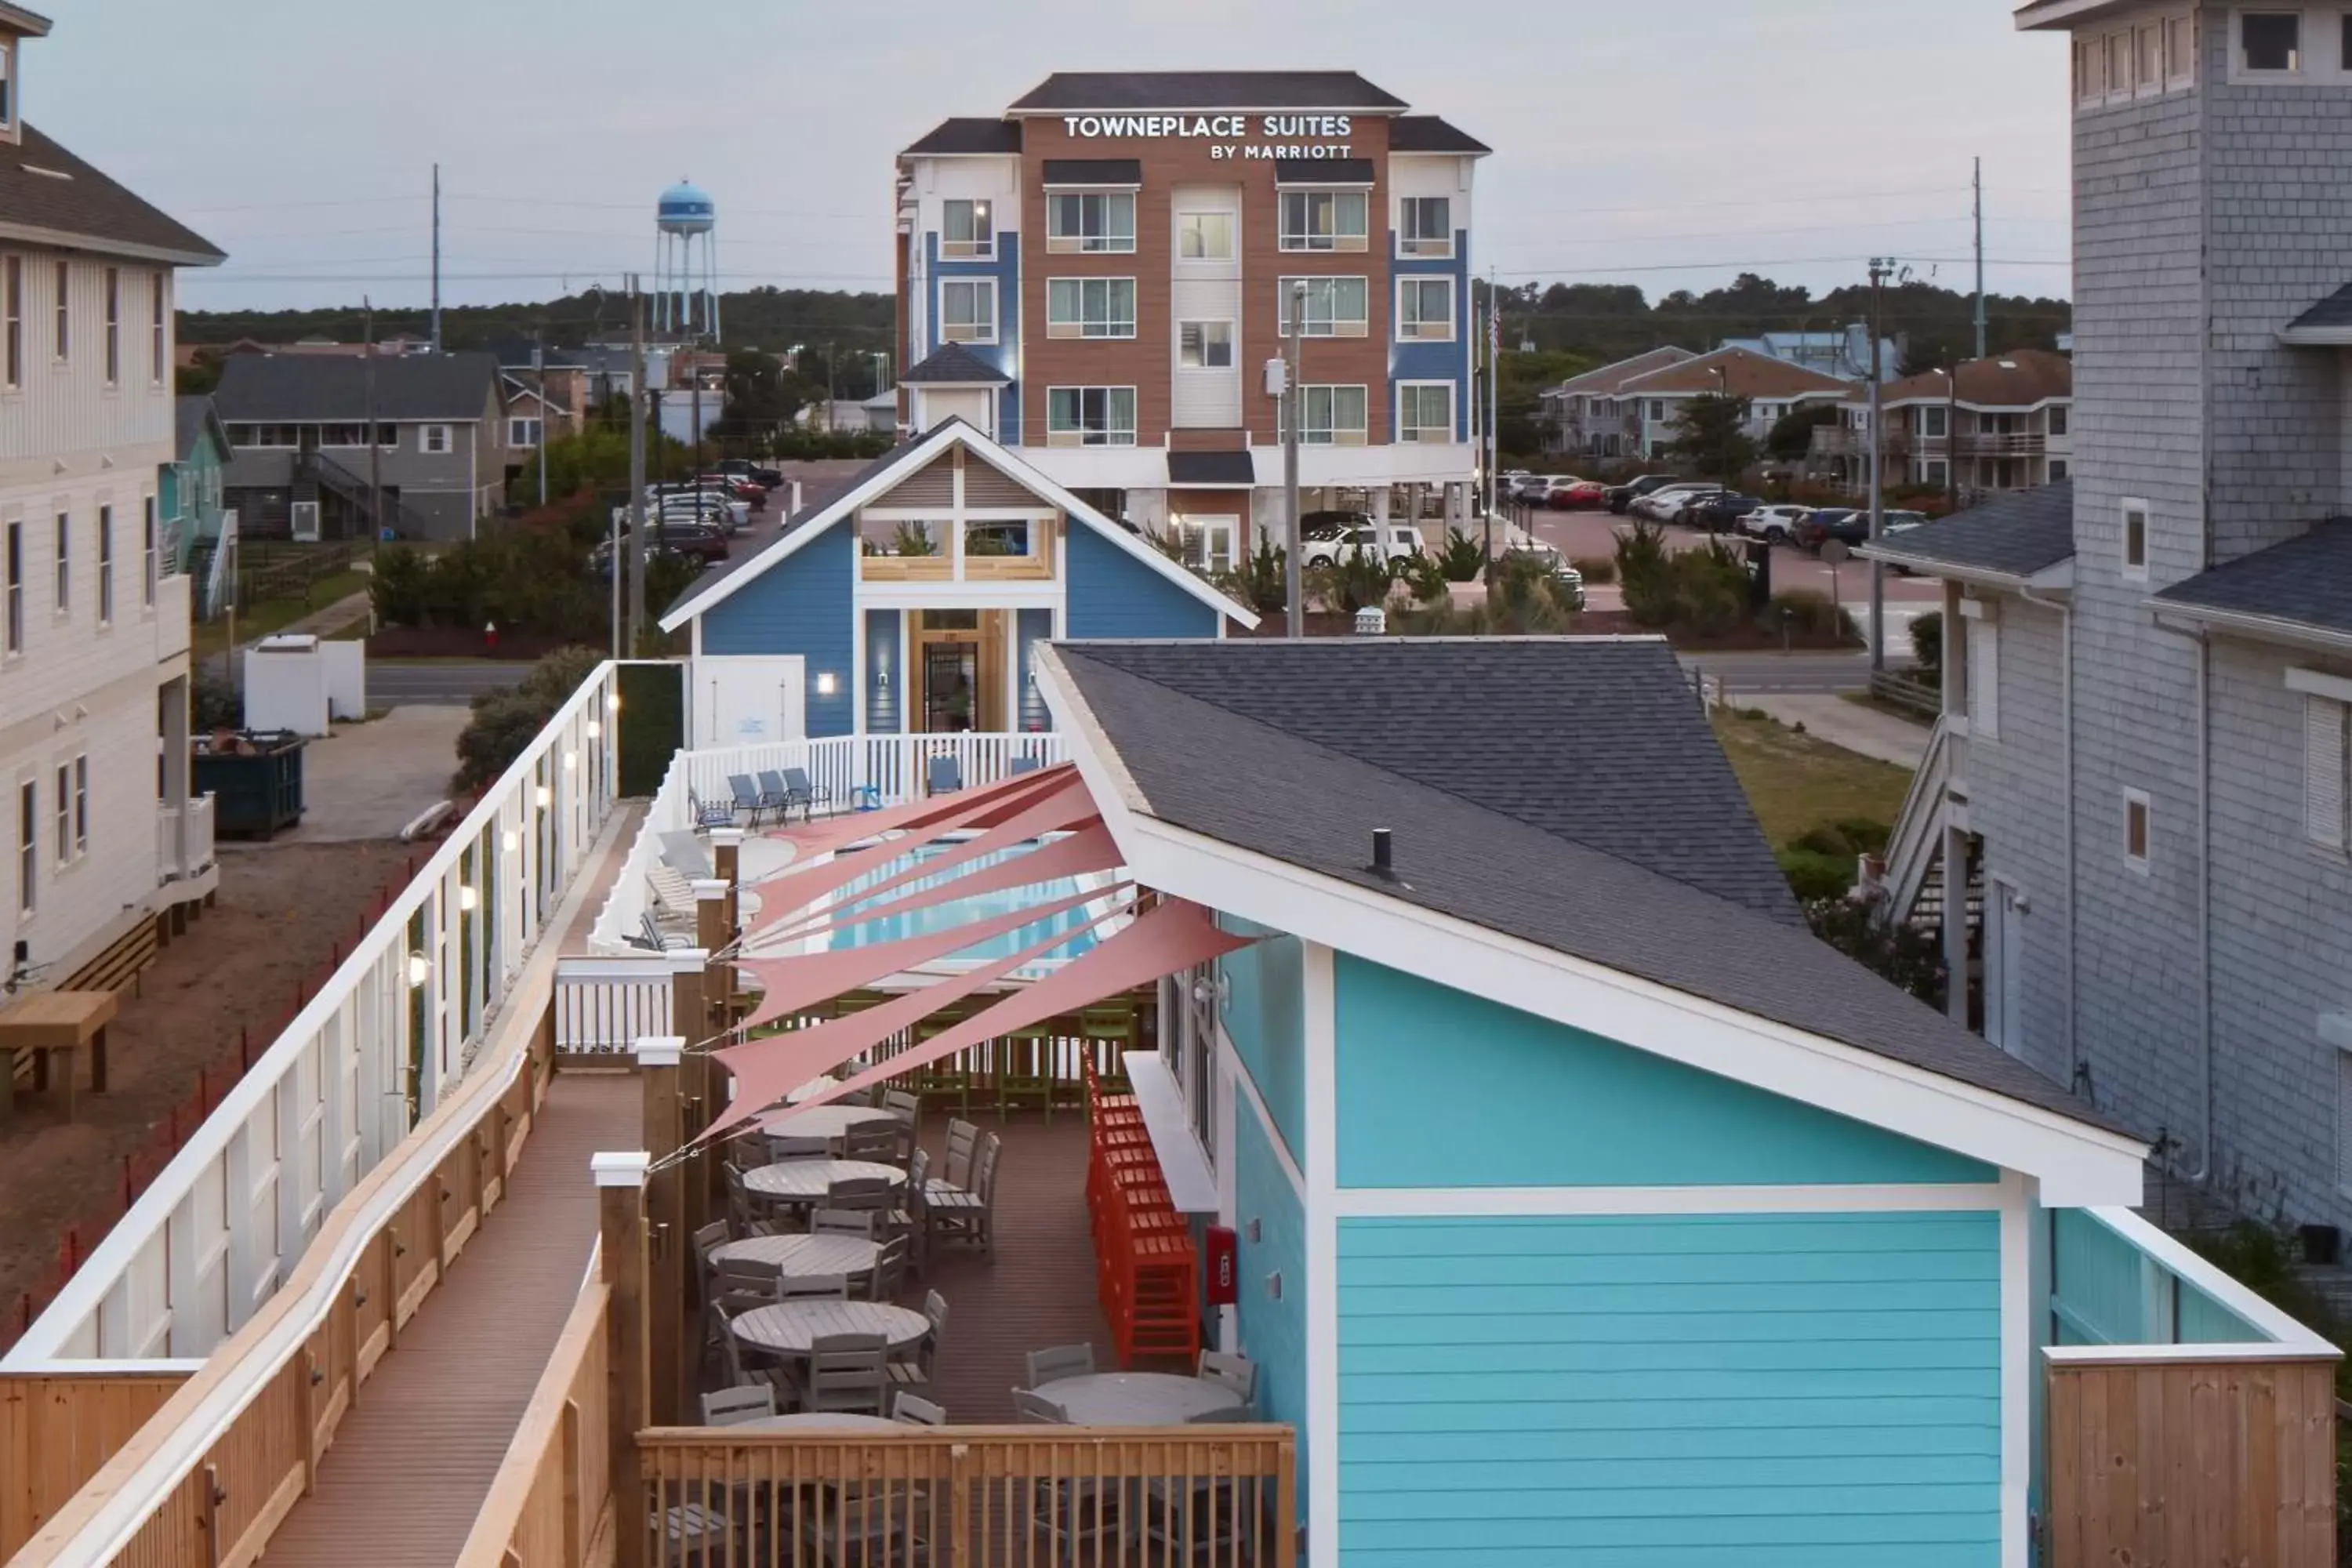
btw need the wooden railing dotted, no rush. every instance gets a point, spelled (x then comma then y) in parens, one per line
(550, 1503)
(57, 1428)
(976, 1496)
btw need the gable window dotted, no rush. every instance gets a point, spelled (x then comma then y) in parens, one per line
(65, 561)
(432, 439)
(1090, 416)
(1090, 307)
(12, 320)
(2135, 547)
(105, 565)
(2179, 50)
(967, 311)
(159, 357)
(1336, 307)
(1204, 345)
(1425, 411)
(1425, 308)
(2139, 824)
(1323, 220)
(1424, 226)
(1329, 417)
(967, 232)
(28, 843)
(2270, 41)
(2147, 73)
(7, 85)
(65, 312)
(1090, 220)
(1204, 236)
(2118, 67)
(521, 432)
(113, 325)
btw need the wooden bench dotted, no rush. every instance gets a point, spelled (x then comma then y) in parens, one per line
(121, 965)
(44, 1024)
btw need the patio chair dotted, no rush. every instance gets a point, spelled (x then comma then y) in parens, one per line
(783, 1147)
(742, 1208)
(685, 854)
(800, 791)
(952, 1213)
(890, 1269)
(708, 813)
(1036, 1410)
(841, 1222)
(652, 938)
(942, 776)
(711, 1236)
(875, 1141)
(734, 1277)
(1234, 1372)
(812, 1288)
(859, 1193)
(917, 1370)
(1022, 765)
(860, 1529)
(1059, 1362)
(907, 1107)
(913, 1410)
(963, 1141)
(848, 1373)
(748, 798)
(733, 1406)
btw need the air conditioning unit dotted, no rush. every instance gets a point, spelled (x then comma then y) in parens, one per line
(304, 524)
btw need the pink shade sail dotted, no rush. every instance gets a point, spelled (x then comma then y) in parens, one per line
(1062, 807)
(1089, 849)
(792, 985)
(1173, 937)
(766, 1070)
(814, 839)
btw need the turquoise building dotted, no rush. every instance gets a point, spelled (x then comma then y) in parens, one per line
(188, 497)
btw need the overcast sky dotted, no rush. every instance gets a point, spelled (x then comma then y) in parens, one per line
(1668, 143)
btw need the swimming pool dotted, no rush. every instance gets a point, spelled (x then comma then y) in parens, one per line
(940, 917)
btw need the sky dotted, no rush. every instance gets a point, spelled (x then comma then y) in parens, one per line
(1671, 143)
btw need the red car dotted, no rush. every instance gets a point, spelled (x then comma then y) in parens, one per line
(1575, 495)
(749, 491)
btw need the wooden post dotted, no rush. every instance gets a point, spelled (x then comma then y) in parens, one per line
(697, 1083)
(666, 1270)
(714, 928)
(621, 1204)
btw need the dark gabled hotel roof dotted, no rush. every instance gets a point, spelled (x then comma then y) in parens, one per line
(1428, 134)
(1093, 171)
(952, 364)
(50, 196)
(1069, 92)
(969, 137)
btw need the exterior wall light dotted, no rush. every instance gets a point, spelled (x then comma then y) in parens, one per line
(508, 842)
(468, 897)
(544, 796)
(595, 730)
(827, 683)
(420, 970)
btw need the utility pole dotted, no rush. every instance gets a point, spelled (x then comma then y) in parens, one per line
(437, 258)
(375, 447)
(1494, 406)
(1979, 216)
(1880, 269)
(1485, 452)
(1952, 440)
(1294, 594)
(538, 368)
(636, 467)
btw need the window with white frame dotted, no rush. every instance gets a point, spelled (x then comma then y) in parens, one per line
(2139, 827)
(2269, 43)
(523, 431)
(62, 801)
(1208, 543)
(2055, 418)
(1090, 221)
(1984, 671)
(28, 844)
(2326, 760)
(105, 565)
(1204, 236)
(1090, 307)
(1935, 471)
(1425, 309)
(1090, 416)
(113, 325)
(2135, 541)
(432, 439)
(12, 320)
(147, 551)
(967, 311)
(81, 804)
(15, 589)
(2148, 57)
(2179, 50)
(1425, 411)
(1323, 220)
(1424, 225)
(1336, 307)
(64, 285)
(1329, 417)
(967, 230)
(7, 84)
(159, 356)
(64, 563)
(1932, 421)
(1204, 345)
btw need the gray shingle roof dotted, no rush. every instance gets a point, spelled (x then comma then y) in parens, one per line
(1566, 792)
(952, 364)
(2306, 581)
(265, 388)
(43, 187)
(969, 135)
(190, 416)
(2012, 535)
(1428, 134)
(1090, 91)
(2335, 310)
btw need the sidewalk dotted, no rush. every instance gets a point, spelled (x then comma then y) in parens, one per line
(1871, 731)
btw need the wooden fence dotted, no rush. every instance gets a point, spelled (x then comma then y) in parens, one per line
(57, 1428)
(550, 1504)
(2183, 1460)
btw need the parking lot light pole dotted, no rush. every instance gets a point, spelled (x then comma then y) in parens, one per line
(1294, 594)
(1880, 267)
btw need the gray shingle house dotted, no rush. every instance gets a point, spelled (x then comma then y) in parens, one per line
(300, 429)
(2142, 763)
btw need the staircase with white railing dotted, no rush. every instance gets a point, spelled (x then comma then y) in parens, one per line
(1915, 846)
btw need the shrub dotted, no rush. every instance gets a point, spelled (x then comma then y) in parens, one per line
(1811, 613)
(1909, 958)
(1927, 642)
(1258, 580)
(400, 587)
(1596, 569)
(1813, 875)
(1645, 568)
(1356, 579)
(1427, 578)
(1462, 559)
(214, 704)
(504, 722)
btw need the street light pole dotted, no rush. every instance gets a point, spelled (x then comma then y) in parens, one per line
(1293, 595)
(1880, 267)
(637, 389)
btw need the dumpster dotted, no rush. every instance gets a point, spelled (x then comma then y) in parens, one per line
(255, 777)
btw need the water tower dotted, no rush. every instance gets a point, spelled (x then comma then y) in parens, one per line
(685, 264)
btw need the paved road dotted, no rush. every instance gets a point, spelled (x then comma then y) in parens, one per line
(1763, 672)
(439, 681)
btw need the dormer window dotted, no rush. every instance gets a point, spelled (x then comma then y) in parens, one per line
(7, 87)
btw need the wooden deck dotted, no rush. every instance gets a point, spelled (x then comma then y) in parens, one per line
(412, 1463)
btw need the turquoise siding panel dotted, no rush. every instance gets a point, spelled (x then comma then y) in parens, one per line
(801, 606)
(2105, 1292)
(1265, 1015)
(1030, 629)
(1711, 1391)
(1527, 1102)
(886, 672)
(1113, 595)
(2205, 1321)
(1273, 1330)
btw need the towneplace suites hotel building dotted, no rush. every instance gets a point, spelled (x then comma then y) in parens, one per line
(1097, 276)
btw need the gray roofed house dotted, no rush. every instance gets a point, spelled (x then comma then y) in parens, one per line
(406, 387)
(967, 136)
(1073, 91)
(2015, 537)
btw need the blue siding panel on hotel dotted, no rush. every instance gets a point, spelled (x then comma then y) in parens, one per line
(1004, 353)
(1110, 593)
(1418, 360)
(1750, 1391)
(886, 671)
(800, 606)
(1441, 1089)
(1272, 1330)
(1264, 1014)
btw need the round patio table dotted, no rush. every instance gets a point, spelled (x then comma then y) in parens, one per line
(1138, 1398)
(814, 1086)
(798, 1257)
(817, 1420)
(821, 1121)
(808, 1180)
(789, 1328)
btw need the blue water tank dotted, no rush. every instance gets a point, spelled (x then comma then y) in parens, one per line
(686, 208)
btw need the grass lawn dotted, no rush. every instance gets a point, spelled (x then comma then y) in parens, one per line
(1797, 783)
(267, 615)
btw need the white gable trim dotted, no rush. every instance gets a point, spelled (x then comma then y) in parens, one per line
(2078, 1164)
(954, 433)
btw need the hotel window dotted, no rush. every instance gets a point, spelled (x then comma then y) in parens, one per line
(81, 804)
(432, 439)
(1425, 411)
(1090, 416)
(28, 842)
(15, 618)
(967, 311)
(2270, 41)
(7, 86)
(147, 551)
(522, 432)
(65, 563)
(105, 565)
(1932, 423)
(1204, 236)
(12, 320)
(113, 325)
(2134, 552)
(2181, 49)
(1090, 307)
(65, 312)
(1425, 308)
(1424, 226)
(1204, 345)
(966, 231)
(2057, 417)
(1090, 220)
(2326, 766)
(64, 808)
(158, 357)
(1329, 417)
(1323, 220)
(2139, 826)
(1336, 307)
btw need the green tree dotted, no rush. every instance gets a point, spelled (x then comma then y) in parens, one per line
(1711, 434)
(1791, 435)
(504, 722)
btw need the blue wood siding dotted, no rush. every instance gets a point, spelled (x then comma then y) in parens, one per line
(1273, 1328)
(1418, 359)
(800, 606)
(1004, 354)
(2105, 1292)
(886, 672)
(1523, 1101)
(1031, 628)
(1798, 1391)
(1112, 595)
(1265, 1015)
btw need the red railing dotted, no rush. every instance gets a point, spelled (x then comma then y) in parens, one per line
(1147, 1270)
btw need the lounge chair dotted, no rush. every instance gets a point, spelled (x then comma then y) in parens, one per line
(748, 798)
(1022, 765)
(942, 776)
(708, 813)
(685, 854)
(799, 791)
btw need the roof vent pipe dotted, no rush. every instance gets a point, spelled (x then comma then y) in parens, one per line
(1383, 864)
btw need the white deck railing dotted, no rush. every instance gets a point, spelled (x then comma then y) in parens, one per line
(184, 839)
(386, 1038)
(604, 1006)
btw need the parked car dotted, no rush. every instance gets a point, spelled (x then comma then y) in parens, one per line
(1715, 512)
(772, 478)
(1403, 542)
(684, 502)
(600, 560)
(703, 541)
(1843, 524)
(1665, 505)
(1778, 523)
(1568, 493)
(1328, 525)
(1621, 496)
(740, 487)
(1529, 490)
(1565, 577)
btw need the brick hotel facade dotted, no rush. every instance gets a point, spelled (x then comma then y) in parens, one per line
(1097, 276)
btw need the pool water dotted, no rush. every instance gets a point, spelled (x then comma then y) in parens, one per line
(963, 911)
